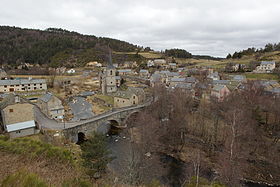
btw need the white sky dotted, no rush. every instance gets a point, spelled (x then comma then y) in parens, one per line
(210, 27)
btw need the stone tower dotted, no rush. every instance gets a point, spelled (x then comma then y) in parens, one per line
(108, 77)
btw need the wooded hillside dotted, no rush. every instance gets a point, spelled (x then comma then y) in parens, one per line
(57, 47)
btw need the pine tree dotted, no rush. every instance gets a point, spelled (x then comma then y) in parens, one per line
(95, 154)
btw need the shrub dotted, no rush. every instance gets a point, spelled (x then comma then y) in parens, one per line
(23, 179)
(34, 148)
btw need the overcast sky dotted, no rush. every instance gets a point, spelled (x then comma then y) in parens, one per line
(212, 27)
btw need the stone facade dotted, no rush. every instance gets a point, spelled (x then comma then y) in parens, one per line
(22, 85)
(51, 106)
(132, 96)
(18, 112)
(108, 80)
(23, 132)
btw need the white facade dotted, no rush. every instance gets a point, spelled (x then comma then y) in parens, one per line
(22, 85)
(266, 67)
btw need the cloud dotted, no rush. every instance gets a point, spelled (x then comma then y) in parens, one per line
(215, 27)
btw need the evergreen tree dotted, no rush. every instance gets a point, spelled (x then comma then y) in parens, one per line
(95, 154)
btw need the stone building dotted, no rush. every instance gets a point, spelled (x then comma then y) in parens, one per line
(51, 106)
(22, 85)
(108, 78)
(17, 117)
(132, 96)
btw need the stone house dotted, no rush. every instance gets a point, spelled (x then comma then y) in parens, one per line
(214, 76)
(118, 81)
(150, 63)
(220, 92)
(132, 96)
(238, 78)
(160, 62)
(129, 64)
(3, 74)
(21, 85)
(266, 67)
(51, 106)
(144, 73)
(155, 79)
(17, 117)
(173, 82)
(172, 66)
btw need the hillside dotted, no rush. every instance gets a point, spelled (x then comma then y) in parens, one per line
(265, 56)
(57, 47)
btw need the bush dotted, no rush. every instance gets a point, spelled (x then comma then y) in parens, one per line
(95, 154)
(77, 183)
(23, 179)
(35, 148)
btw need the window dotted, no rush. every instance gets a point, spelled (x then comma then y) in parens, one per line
(41, 87)
(17, 85)
(17, 132)
(11, 110)
(5, 86)
(12, 86)
(35, 88)
(22, 88)
(134, 97)
(111, 72)
(28, 84)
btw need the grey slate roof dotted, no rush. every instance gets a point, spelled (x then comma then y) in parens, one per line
(220, 81)
(143, 71)
(184, 86)
(21, 81)
(45, 98)
(191, 79)
(218, 87)
(267, 62)
(178, 79)
(124, 70)
(9, 100)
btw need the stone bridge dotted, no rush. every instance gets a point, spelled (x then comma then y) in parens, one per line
(86, 127)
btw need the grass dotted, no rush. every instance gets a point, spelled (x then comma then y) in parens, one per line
(261, 76)
(35, 148)
(108, 99)
(143, 54)
(23, 178)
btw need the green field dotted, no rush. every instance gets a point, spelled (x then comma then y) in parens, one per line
(261, 76)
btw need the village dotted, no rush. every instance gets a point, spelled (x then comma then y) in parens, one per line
(79, 94)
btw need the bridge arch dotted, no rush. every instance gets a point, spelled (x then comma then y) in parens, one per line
(81, 138)
(132, 116)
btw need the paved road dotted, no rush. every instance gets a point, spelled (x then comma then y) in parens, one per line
(81, 109)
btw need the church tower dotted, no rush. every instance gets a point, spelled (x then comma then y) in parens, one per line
(108, 77)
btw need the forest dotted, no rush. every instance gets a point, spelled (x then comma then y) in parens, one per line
(201, 143)
(57, 47)
(250, 51)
